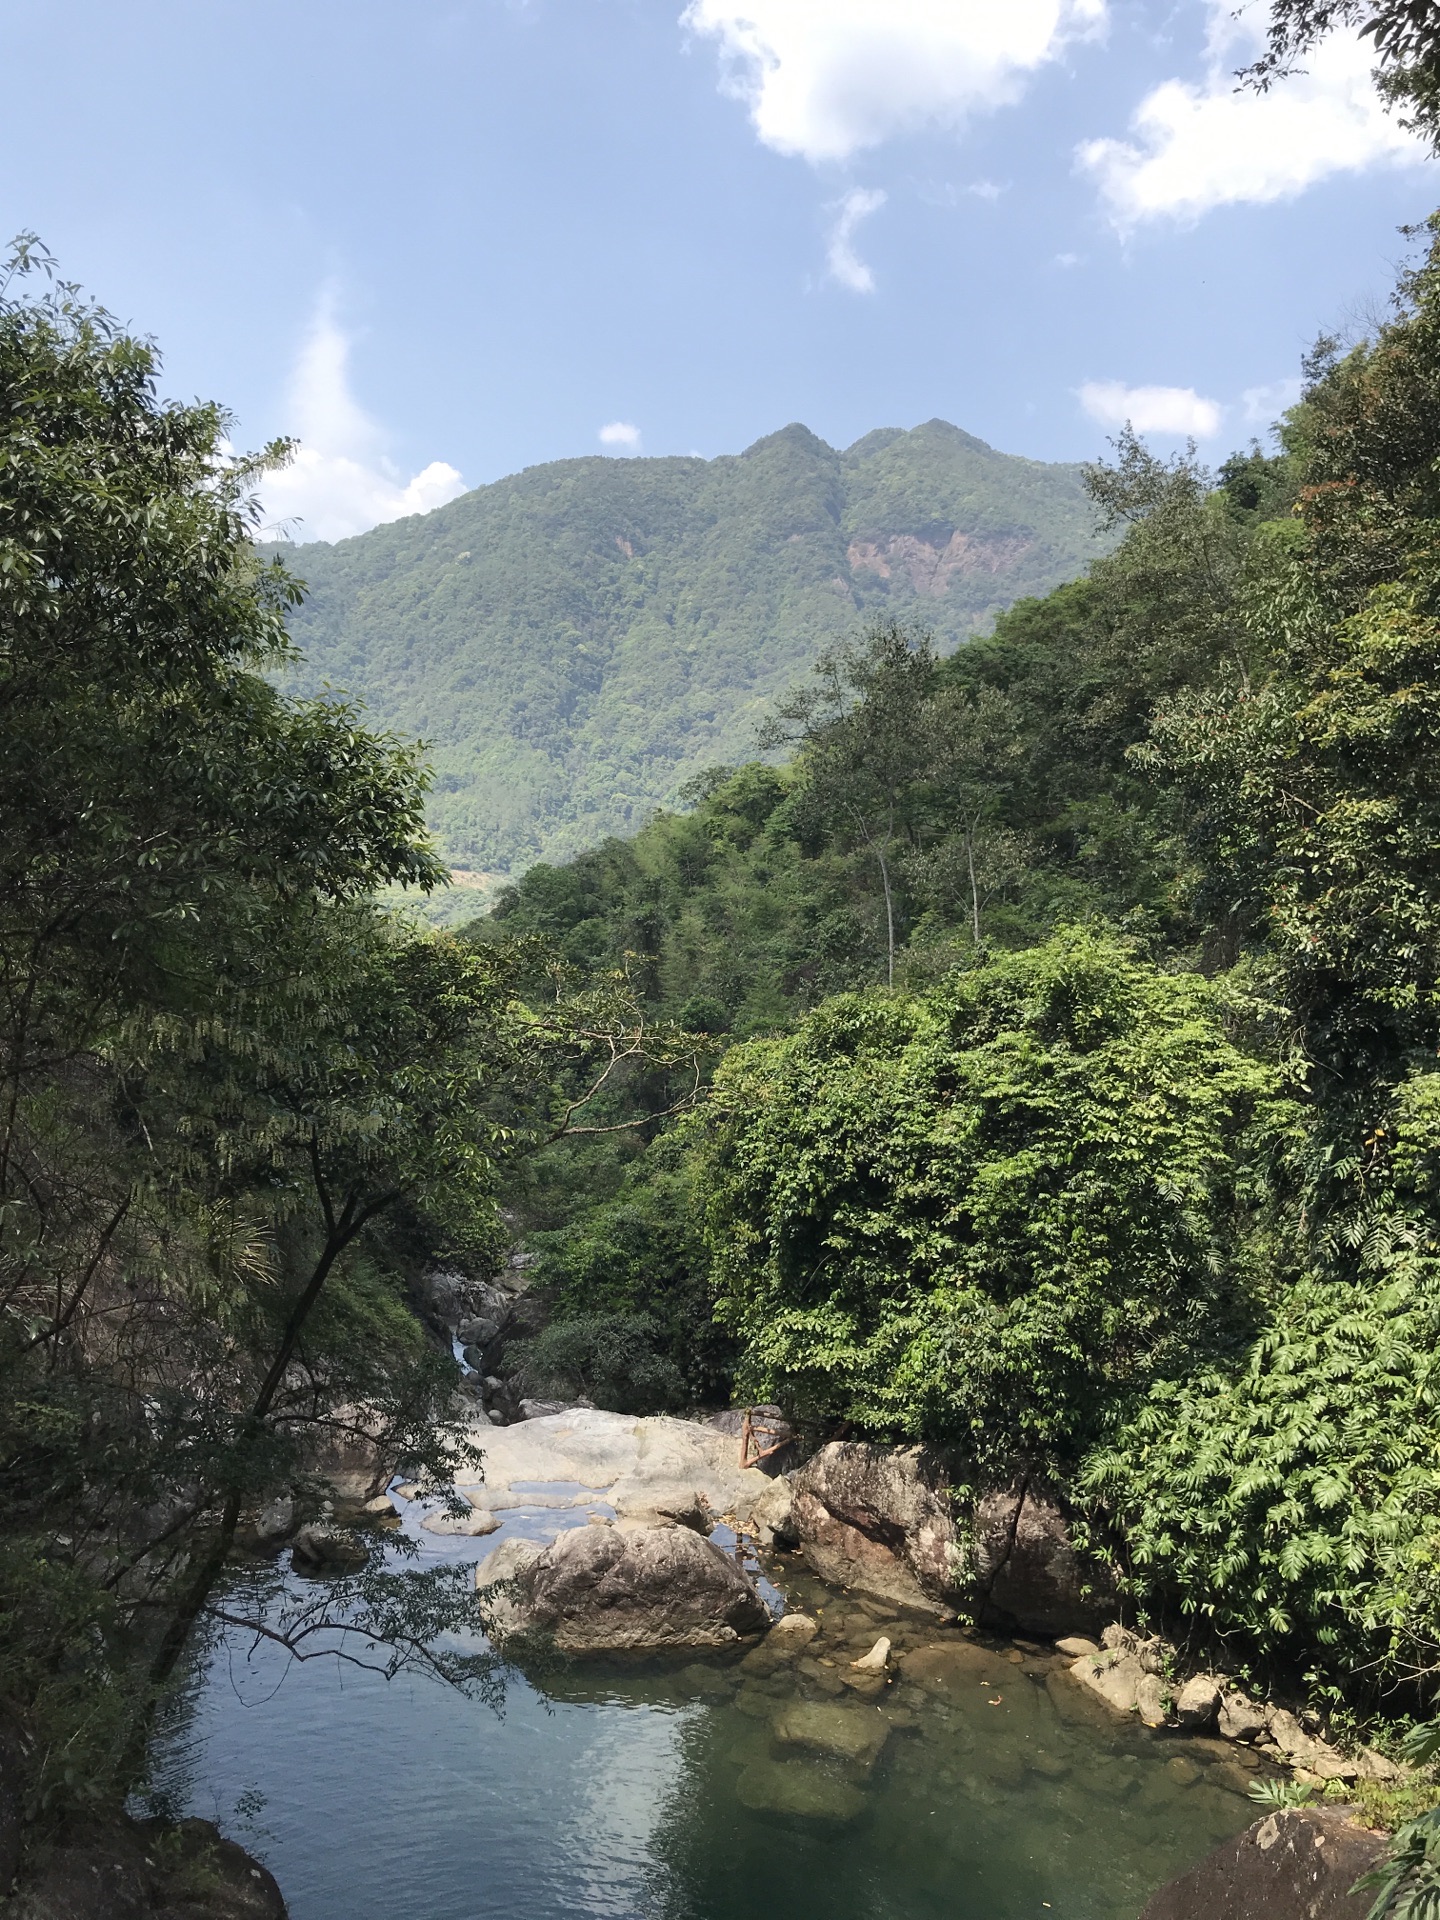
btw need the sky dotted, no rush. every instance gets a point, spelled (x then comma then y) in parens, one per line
(443, 240)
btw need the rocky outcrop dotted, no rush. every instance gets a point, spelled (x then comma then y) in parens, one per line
(615, 1465)
(1027, 1574)
(148, 1870)
(607, 1589)
(882, 1520)
(1127, 1673)
(1299, 1864)
(876, 1519)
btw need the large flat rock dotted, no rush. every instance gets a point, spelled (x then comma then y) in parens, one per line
(645, 1470)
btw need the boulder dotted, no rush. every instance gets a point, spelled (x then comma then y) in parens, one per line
(1076, 1644)
(147, 1871)
(785, 1641)
(1027, 1571)
(1197, 1705)
(881, 1520)
(1150, 1700)
(856, 1735)
(877, 1519)
(322, 1547)
(600, 1589)
(1299, 1864)
(1241, 1718)
(472, 1524)
(793, 1791)
(641, 1468)
(1113, 1677)
(772, 1516)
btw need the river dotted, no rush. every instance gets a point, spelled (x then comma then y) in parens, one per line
(668, 1793)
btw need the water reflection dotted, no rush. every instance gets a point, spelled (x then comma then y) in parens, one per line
(982, 1786)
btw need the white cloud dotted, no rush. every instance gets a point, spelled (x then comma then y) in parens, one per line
(1195, 147)
(845, 264)
(1166, 410)
(620, 433)
(826, 78)
(1264, 405)
(340, 481)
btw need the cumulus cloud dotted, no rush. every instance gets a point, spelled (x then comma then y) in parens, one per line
(620, 433)
(340, 481)
(1263, 405)
(1167, 410)
(844, 263)
(1194, 147)
(825, 79)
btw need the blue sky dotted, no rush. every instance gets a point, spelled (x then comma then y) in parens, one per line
(444, 241)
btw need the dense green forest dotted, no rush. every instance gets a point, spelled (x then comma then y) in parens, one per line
(1034, 1057)
(242, 1104)
(576, 642)
(1073, 1003)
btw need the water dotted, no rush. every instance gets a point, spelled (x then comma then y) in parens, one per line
(670, 1793)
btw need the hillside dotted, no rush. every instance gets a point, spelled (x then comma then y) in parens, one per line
(577, 641)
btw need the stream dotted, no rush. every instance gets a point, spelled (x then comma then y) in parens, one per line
(983, 1788)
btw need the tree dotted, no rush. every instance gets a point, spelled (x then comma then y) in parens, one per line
(1405, 35)
(239, 1103)
(866, 742)
(982, 1215)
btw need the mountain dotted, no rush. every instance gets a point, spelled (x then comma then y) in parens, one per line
(577, 641)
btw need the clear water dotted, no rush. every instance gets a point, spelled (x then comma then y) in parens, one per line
(667, 1793)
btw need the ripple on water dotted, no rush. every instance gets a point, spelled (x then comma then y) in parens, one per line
(981, 1791)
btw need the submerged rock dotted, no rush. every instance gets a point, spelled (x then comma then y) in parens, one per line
(1299, 1864)
(795, 1791)
(856, 1735)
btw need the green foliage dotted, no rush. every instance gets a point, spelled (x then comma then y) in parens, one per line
(1281, 1793)
(578, 641)
(614, 1359)
(638, 1255)
(233, 1091)
(1407, 1881)
(983, 1214)
(1293, 1492)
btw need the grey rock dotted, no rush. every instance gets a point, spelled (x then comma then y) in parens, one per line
(1299, 1864)
(600, 1589)
(1113, 1677)
(877, 1519)
(128, 1870)
(1076, 1644)
(1241, 1718)
(1150, 1700)
(476, 1332)
(1029, 1575)
(275, 1522)
(1197, 1705)
(474, 1524)
(856, 1735)
(321, 1547)
(793, 1791)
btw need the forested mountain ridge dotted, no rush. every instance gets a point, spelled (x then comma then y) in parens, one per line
(577, 641)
